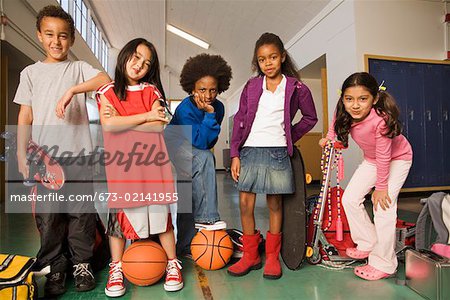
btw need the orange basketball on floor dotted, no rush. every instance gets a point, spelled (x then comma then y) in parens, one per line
(144, 263)
(211, 250)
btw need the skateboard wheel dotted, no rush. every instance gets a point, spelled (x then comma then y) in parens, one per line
(314, 260)
(309, 251)
(308, 178)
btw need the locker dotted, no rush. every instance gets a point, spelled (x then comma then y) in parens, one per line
(422, 91)
(446, 124)
(433, 91)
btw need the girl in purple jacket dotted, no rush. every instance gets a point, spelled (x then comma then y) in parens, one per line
(262, 141)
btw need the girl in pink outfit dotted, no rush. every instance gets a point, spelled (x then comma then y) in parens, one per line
(370, 115)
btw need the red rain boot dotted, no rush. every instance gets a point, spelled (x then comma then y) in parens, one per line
(251, 259)
(272, 269)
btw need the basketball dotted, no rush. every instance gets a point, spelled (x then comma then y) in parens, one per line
(211, 250)
(144, 263)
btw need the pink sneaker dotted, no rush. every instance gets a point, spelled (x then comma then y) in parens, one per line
(368, 272)
(174, 280)
(115, 286)
(357, 254)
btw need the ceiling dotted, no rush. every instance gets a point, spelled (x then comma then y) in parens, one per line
(230, 27)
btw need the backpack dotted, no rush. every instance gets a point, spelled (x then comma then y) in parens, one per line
(16, 280)
(433, 223)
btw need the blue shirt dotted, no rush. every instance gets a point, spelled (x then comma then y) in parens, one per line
(205, 126)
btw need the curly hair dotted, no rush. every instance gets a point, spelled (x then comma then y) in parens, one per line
(385, 107)
(204, 65)
(56, 11)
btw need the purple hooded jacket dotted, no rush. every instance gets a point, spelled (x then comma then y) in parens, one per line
(297, 97)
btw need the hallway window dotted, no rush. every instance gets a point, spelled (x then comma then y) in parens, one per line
(105, 53)
(64, 4)
(80, 12)
(88, 29)
(94, 38)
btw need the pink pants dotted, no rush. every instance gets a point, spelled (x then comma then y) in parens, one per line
(379, 238)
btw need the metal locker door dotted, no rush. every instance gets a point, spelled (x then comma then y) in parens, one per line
(415, 124)
(446, 125)
(433, 93)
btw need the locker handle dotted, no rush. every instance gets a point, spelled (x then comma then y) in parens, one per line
(429, 115)
(411, 115)
(445, 115)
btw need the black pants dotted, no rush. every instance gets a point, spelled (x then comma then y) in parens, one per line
(67, 229)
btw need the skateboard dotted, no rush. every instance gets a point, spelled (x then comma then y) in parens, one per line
(293, 247)
(43, 168)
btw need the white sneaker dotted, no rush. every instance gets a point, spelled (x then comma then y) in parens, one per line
(218, 225)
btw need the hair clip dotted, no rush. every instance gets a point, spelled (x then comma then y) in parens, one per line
(382, 87)
(339, 92)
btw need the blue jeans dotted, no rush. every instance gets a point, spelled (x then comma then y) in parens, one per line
(202, 191)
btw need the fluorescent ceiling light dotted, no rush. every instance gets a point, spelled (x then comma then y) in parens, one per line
(187, 36)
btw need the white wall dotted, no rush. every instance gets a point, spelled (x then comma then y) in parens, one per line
(174, 90)
(331, 33)
(315, 85)
(411, 29)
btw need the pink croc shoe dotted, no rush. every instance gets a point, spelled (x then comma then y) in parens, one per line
(357, 254)
(368, 272)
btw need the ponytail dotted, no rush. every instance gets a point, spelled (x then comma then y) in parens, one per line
(387, 108)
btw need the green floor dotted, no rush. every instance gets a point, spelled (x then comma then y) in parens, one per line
(18, 235)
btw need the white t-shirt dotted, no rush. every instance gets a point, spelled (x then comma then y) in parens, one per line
(41, 86)
(268, 126)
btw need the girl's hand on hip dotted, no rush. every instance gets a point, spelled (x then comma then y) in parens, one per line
(323, 142)
(382, 198)
(235, 168)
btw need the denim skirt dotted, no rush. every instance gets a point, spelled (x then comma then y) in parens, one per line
(266, 170)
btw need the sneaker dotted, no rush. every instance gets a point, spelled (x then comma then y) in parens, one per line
(218, 225)
(114, 286)
(174, 280)
(236, 238)
(55, 284)
(84, 279)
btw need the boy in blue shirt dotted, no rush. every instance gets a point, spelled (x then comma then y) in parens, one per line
(203, 77)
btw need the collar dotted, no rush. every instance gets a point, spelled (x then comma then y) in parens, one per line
(137, 87)
(281, 86)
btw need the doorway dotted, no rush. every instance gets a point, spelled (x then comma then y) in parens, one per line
(314, 76)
